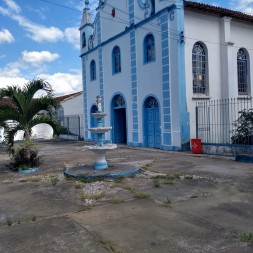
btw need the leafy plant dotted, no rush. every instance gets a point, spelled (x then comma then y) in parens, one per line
(20, 161)
(54, 180)
(9, 221)
(243, 133)
(247, 237)
(19, 110)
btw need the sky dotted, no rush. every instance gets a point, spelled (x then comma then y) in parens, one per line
(40, 39)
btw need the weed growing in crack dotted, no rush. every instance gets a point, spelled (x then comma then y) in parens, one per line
(9, 221)
(117, 201)
(247, 237)
(54, 180)
(141, 195)
(157, 183)
(109, 246)
(34, 218)
(167, 203)
(99, 196)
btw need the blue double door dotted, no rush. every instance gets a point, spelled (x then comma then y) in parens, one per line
(153, 131)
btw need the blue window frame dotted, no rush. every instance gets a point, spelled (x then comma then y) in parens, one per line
(242, 72)
(116, 62)
(199, 68)
(83, 40)
(92, 70)
(149, 48)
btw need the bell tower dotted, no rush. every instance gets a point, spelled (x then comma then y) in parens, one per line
(86, 29)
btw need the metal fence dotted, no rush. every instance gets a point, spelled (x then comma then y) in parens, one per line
(226, 121)
(72, 125)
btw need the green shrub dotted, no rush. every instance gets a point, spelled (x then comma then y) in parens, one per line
(19, 160)
(243, 133)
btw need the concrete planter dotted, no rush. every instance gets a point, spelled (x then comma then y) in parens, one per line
(29, 171)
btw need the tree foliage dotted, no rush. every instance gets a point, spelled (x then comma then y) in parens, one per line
(243, 133)
(20, 109)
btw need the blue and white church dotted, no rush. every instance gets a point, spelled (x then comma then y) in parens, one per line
(151, 60)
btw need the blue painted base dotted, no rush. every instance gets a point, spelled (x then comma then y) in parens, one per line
(30, 171)
(244, 158)
(87, 172)
(101, 165)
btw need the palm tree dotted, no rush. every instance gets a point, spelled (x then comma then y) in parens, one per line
(20, 110)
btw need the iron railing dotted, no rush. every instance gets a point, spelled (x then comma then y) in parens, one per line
(72, 125)
(225, 121)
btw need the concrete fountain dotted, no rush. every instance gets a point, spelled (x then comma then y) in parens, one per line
(100, 169)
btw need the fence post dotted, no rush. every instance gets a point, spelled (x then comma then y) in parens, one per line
(79, 126)
(197, 121)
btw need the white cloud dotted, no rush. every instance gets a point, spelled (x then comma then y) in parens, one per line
(10, 81)
(13, 6)
(35, 31)
(243, 5)
(35, 57)
(6, 36)
(38, 32)
(64, 83)
(72, 35)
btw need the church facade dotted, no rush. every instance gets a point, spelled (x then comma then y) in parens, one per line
(151, 60)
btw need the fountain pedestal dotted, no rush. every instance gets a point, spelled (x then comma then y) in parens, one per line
(101, 166)
(100, 148)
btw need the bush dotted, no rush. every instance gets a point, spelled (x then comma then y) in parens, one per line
(19, 159)
(243, 128)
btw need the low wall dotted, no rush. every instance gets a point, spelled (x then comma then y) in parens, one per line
(226, 149)
(69, 137)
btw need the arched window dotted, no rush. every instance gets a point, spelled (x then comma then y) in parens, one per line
(83, 40)
(199, 68)
(242, 71)
(116, 64)
(92, 70)
(149, 48)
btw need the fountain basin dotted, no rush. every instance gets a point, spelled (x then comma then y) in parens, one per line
(99, 115)
(101, 163)
(99, 130)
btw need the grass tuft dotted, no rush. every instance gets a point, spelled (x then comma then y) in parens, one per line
(247, 237)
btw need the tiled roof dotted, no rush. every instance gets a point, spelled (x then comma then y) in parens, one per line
(6, 101)
(218, 11)
(66, 97)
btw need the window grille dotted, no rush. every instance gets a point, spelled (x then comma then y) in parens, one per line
(116, 60)
(119, 102)
(242, 64)
(199, 69)
(151, 102)
(83, 40)
(92, 70)
(149, 48)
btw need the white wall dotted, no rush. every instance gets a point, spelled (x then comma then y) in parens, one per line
(208, 29)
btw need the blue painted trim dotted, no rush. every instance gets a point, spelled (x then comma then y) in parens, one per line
(171, 148)
(128, 173)
(101, 77)
(133, 26)
(83, 26)
(101, 165)
(184, 115)
(229, 145)
(167, 139)
(244, 158)
(85, 118)
(135, 132)
(30, 171)
(131, 12)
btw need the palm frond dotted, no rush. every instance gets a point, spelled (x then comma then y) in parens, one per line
(9, 133)
(35, 85)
